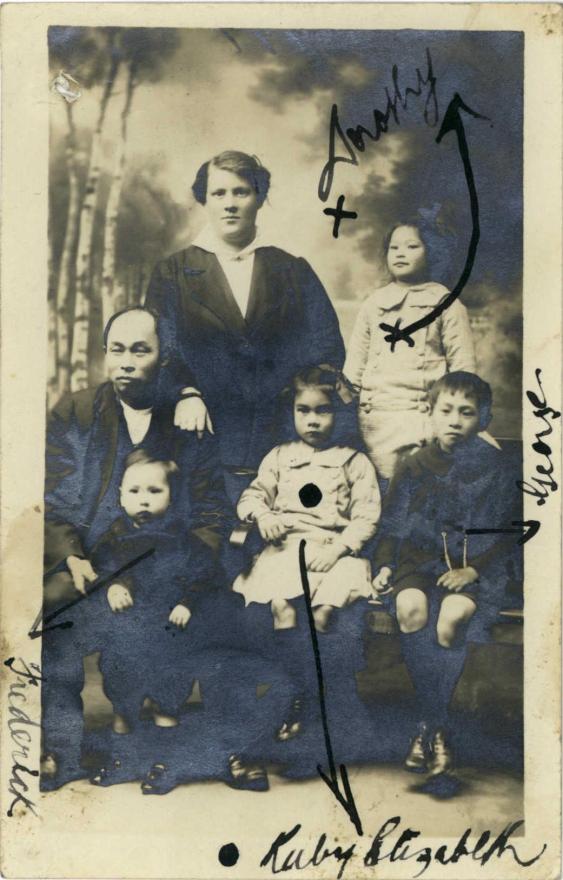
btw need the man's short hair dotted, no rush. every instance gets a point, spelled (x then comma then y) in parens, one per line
(248, 167)
(470, 386)
(117, 315)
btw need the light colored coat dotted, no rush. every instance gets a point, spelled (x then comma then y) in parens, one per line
(348, 512)
(394, 385)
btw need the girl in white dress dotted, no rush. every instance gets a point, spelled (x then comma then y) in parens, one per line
(393, 385)
(318, 489)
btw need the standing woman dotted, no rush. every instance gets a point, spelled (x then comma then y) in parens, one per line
(241, 317)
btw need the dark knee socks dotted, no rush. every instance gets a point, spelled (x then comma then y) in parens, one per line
(434, 672)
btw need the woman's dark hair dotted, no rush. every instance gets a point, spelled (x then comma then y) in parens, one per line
(472, 387)
(330, 381)
(248, 167)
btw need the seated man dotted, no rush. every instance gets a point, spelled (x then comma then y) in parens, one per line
(433, 568)
(90, 434)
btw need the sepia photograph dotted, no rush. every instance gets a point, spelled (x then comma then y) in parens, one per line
(283, 486)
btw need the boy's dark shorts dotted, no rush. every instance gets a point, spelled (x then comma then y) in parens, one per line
(426, 582)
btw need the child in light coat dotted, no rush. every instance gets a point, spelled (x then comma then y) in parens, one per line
(393, 385)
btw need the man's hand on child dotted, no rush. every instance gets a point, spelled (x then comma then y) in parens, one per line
(458, 578)
(271, 527)
(81, 572)
(180, 616)
(382, 581)
(119, 598)
(322, 557)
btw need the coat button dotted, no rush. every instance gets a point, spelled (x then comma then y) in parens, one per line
(424, 407)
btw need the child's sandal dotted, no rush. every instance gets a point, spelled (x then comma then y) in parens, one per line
(294, 725)
(245, 777)
(158, 780)
(114, 774)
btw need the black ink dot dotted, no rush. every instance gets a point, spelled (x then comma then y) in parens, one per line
(229, 855)
(310, 495)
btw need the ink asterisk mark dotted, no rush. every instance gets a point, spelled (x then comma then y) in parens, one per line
(339, 214)
(395, 334)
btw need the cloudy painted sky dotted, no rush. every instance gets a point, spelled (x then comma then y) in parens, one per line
(270, 93)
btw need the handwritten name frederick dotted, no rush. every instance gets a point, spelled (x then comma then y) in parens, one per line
(19, 724)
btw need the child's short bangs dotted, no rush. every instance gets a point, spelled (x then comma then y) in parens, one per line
(142, 457)
(471, 386)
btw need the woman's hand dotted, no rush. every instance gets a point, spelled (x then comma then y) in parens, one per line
(322, 557)
(271, 527)
(458, 578)
(382, 581)
(191, 415)
(180, 616)
(119, 598)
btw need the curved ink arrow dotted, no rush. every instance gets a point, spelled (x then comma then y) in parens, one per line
(451, 122)
(345, 798)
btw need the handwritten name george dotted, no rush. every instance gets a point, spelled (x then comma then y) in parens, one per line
(547, 415)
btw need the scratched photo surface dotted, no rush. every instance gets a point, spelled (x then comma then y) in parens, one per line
(284, 527)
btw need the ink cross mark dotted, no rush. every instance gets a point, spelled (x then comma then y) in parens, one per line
(34, 633)
(452, 122)
(336, 777)
(339, 214)
(526, 530)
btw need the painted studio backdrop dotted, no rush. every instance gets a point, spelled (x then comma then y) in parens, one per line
(155, 103)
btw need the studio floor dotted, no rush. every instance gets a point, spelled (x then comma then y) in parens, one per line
(191, 824)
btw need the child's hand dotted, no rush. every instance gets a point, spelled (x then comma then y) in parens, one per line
(81, 572)
(119, 597)
(382, 581)
(180, 616)
(321, 557)
(457, 579)
(271, 527)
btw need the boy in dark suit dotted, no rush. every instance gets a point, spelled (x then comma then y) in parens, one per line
(426, 559)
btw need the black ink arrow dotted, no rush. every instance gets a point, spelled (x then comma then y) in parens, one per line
(346, 798)
(34, 633)
(527, 530)
(451, 122)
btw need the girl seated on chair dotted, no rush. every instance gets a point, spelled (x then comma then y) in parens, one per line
(318, 488)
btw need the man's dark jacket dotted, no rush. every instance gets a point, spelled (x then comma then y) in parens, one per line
(242, 364)
(83, 433)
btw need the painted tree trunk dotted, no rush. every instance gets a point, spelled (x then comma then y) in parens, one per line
(113, 293)
(79, 353)
(65, 285)
(52, 347)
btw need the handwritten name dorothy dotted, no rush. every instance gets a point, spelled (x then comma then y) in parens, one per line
(281, 858)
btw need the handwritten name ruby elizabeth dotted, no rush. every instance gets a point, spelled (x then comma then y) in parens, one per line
(287, 854)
